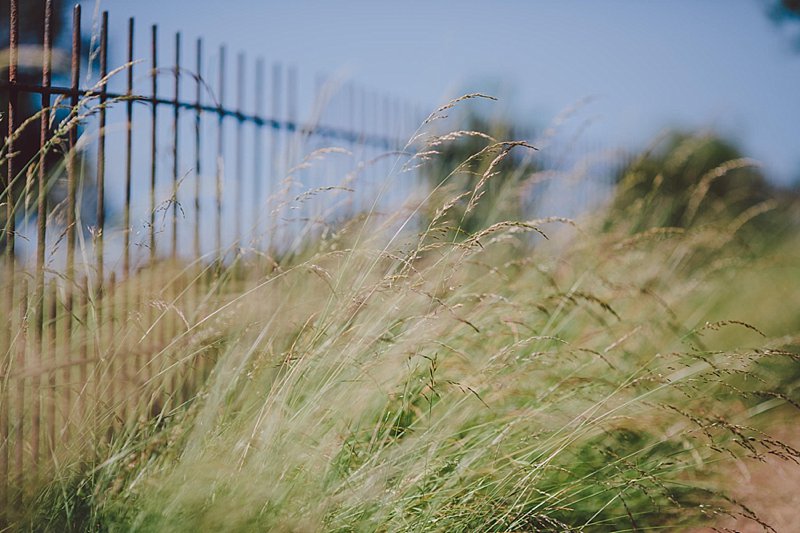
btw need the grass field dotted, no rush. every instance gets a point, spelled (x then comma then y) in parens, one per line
(603, 374)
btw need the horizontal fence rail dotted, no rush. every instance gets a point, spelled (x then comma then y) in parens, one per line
(327, 132)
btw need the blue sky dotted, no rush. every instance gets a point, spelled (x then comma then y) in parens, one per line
(645, 65)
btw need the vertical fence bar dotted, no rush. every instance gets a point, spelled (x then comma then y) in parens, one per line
(292, 129)
(44, 133)
(198, 159)
(8, 181)
(376, 188)
(370, 114)
(397, 113)
(101, 149)
(351, 120)
(170, 290)
(175, 161)
(409, 125)
(111, 373)
(50, 368)
(5, 415)
(72, 183)
(153, 314)
(387, 121)
(98, 374)
(319, 112)
(420, 115)
(36, 407)
(126, 260)
(83, 341)
(153, 139)
(126, 252)
(41, 214)
(9, 260)
(10, 229)
(258, 165)
(274, 178)
(239, 147)
(7, 480)
(220, 150)
(398, 130)
(19, 444)
(72, 177)
(291, 109)
(67, 370)
(387, 190)
(142, 360)
(135, 365)
(391, 133)
(13, 53)
(198, 146)
(363, 176)
(101, 152)
(5, 434)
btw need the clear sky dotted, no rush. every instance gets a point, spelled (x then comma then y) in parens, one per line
(646, 65)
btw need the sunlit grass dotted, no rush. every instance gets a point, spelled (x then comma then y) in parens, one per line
(533, 375)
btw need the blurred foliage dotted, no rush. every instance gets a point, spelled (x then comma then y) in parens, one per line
(691, 179)
(786, 12)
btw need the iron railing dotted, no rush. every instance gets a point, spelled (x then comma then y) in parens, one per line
(53, 366)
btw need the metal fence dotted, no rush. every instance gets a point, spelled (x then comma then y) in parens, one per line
(72, 287)
(117, 226)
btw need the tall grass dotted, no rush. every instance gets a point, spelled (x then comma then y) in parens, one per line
(393, 374)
